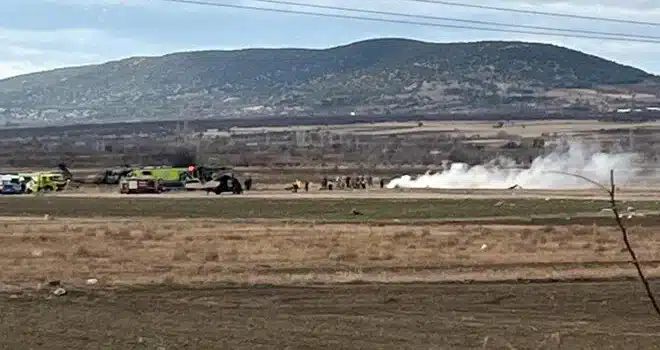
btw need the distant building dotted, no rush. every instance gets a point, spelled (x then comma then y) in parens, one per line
(212, 133)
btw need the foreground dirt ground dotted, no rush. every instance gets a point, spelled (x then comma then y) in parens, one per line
(612, 315)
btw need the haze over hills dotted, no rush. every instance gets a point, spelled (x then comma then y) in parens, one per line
(379, 76)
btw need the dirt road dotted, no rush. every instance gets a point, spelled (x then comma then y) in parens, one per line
(606, 315)
(632, 194)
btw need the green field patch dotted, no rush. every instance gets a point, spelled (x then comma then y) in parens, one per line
(308, 209)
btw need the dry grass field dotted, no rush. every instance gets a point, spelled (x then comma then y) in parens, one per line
(145, 251)
(523, 128)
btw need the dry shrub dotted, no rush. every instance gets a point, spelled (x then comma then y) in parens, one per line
(38, 238)
(603, 240)
(348, 255)
(335, 238)
(211, 256)
(463, 256)
(86, 252)
(403, 234)
(526, 234)
(179, 254)
(75, 229)
(584, 230)
(548, 229)
(162, 236)
(381, 256)
(121, 234)
(464, 230)
(168, 279)
(600, 249)
(484, 231)
(234, 237)
(542, 240)
(90, 232)
(142, 235)
(59, 255)
(232, 255)
(449, 242)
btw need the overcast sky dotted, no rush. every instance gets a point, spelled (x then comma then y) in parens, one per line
(44, 34)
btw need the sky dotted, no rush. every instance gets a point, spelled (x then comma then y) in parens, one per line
(38, 35)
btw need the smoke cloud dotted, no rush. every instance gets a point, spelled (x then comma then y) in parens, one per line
(571, 157)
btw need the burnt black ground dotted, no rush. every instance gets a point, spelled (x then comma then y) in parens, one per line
(580, 315)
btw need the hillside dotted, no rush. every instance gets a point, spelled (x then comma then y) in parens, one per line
(374, 76)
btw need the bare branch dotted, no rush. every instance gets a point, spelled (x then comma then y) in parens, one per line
(626, 241)
(624, 232)
(607, 190)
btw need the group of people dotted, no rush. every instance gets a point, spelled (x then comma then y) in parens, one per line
(339, 183)
(348, 182)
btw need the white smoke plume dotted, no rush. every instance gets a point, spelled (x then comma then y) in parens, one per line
(575, 157)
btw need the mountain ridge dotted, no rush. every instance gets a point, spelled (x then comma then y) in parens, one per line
(373, 76)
